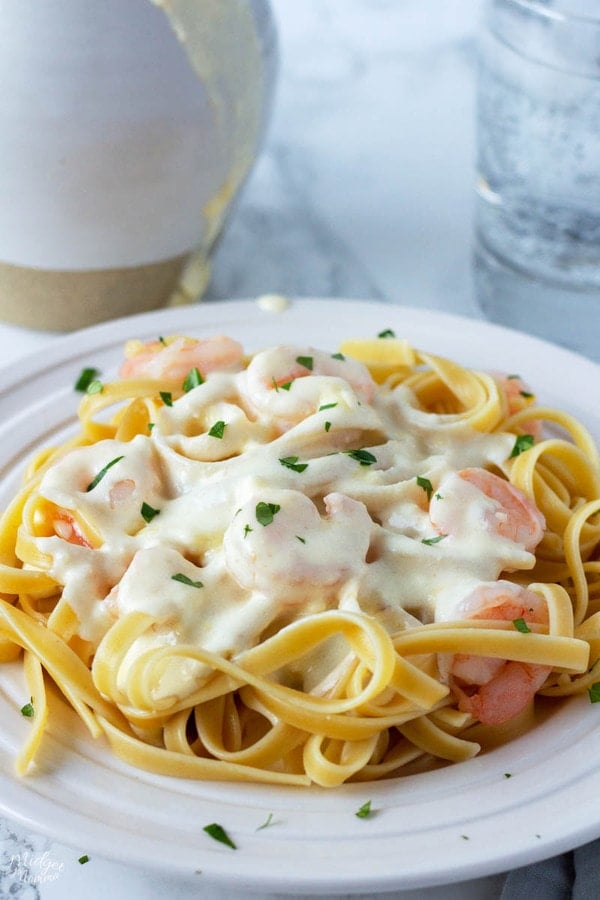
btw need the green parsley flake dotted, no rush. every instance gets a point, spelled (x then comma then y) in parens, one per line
(218, 833)
(339, 356)
(508, 774)
(217, 430)
(98, 478)
(426, 485)
(183, 579)
(327, 406)
(387, 333)
(86, 376)
(364, 811)
(95, 387)
(265, 512)
(527, 394)
(192, 380)
(148, 512)
(522, 626)
(434, 540)
(83, 859)
(523, 442)
(594, 692)
(268, 821)
(306, 361)
(327, 426)
(362, 456)
(291, 462)
(247, 530)
(28, 710)
(301, 539)
(282, 387)
(166, 397)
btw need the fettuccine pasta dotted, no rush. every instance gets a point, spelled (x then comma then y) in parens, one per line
(303, 566)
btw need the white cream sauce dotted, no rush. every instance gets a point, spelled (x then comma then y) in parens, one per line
(271, 541)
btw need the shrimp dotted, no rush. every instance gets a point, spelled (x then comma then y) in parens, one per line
(290, 383)
(174, 357)
(66, 527)
(477, 499)
(496, 690)
(518, 397)
(280, 545)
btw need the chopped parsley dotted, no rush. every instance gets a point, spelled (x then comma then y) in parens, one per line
(98, 478)
(306, 361)
(362, 456)
(326, 406)
(301, 539)
(387, 333)
(217, 430)
(247, 530)
(218, 833)
(83, 859)
(364, 811)
(521, 625)
(148, 512)
(265, 512)
(28, 711)
(94, 387)
(426, 485)
(594, 692)
(339, 356)
(183, 579)
(523, 442)
(192, 380)
(86, 377)
(527, 394)
(327, 425)
(283, 387)
(268, 821)
(291, 462)
(508, 774)
(166, 397)
(433, 540)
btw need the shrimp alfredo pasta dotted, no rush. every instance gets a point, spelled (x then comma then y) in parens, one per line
(304, 568)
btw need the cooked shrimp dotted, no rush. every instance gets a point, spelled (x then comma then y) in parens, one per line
(477, 499)
(174, 357)
(496, 690)
(67, 528)
(280, 545)
(290, 383)
(518, 397)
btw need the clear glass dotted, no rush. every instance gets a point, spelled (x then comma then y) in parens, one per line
(537, 247)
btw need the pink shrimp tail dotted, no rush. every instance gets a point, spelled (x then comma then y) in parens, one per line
(506, 695)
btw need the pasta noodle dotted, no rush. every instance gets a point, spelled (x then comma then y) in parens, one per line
(304, 567)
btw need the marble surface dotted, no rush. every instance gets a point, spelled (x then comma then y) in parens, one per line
(364, 190)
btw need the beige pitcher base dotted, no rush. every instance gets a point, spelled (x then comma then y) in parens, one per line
(67, 300)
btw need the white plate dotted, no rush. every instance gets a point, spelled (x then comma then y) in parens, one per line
(462, 822)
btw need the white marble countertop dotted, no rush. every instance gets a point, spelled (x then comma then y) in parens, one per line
(364, 189)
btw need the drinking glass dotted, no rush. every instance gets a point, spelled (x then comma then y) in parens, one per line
(537, 231)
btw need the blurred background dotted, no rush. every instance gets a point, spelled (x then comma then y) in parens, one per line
(365, 185)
